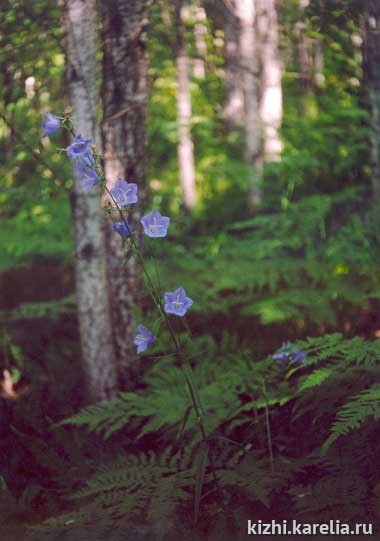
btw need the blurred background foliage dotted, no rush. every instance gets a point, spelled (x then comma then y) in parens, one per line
(321, 182)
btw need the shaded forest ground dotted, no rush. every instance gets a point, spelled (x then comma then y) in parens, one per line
(46, 332)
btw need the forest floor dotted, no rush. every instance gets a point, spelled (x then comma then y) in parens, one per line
(38, 338)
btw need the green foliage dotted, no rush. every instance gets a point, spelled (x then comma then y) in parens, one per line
(162, 405)
(298, 264)
(353, 414)
(308, 261)
(24, 235)
(51, 309)
(33, 201)
(239, 395)
(151, 492)
(325, 126)
(222, 382)
(138, 489)
(328, 144)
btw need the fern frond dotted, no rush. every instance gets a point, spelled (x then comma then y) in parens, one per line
(104, 416)
(353, 414)
(342, 493)
(162, 408)
(315, 379)
(250, 475)
(136, 489)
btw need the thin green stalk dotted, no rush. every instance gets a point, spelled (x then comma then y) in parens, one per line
(188, 377)
(268, 430)
(158, 302)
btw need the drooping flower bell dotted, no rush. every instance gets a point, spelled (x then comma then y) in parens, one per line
(50, 125)
(87, 174)
(155, 225)
(80, 150)
(176, 302)
(122, 228)
(124, 193)
(144, 339)
(298, 356)
(289, 353)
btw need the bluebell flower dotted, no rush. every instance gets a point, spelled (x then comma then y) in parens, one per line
(122, 228)
(281, 356)
(80, 150)
(50, 125)
(177, 302)
(289, 353)
(124, 193)
(298, 356)
(87, 174)
(155, 225)
(144, 339)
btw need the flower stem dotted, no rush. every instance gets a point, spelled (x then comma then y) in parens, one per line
(185, 363)
(188, 376)
(268, 429)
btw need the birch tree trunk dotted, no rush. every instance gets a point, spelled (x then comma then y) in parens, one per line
(233, 84)
(304, 58)
(318, 64)
(185, 143)
(79, 23)
(271, 74)
(200, 32)
(371, 70)
(245, 10)
(124, 95)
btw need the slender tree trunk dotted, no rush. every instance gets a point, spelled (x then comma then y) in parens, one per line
(124, 94)
(371, 70)
(79, 22)
(318, 64)
(200, 32)
(271, 73)
(233, 79)
(245, 10)
(185, 143)
(304, 58)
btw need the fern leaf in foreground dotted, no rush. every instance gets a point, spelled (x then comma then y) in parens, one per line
(315, 379)
(352, 415)
(103, 416)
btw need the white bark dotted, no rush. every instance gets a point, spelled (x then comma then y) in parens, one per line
(303, 46)
(79, 20)
(233, 85)
(271, 72)
(185, 143)
(318, 77)
(200, 32)
(245, 10)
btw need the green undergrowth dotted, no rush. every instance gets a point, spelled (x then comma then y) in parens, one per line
(254, 411)
(307, 263)
(41, 231)
(299, 264)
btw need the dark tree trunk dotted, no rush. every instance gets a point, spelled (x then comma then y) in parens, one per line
(371, 65)
(124, 95)
(79, 23)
